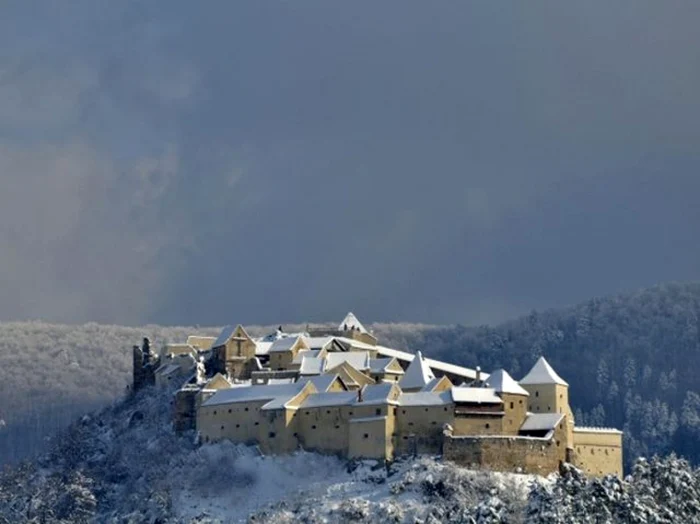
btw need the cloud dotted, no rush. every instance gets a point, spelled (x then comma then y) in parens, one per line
(259, 163)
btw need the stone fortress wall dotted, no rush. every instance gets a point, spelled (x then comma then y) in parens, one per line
(340, 392)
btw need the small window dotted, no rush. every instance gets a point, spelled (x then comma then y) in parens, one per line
(214, 412)
(488, 425)
(403, 411)
(433, 422)
(426, 410)
(511, 405)
(328, 412)
(237, 425)
(537, 393)
(350, 413)
(592, 451)
(520, 402)
(378, 411)
(549, 408)
(271, 434)
(246, 409)
(222, 428)
(445, 409)
(410, 423)
(257, 424)
(296, 434)
(229, 411)
(366, 435)
(337, 427)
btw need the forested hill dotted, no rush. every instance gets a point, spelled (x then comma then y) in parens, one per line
(631, 361)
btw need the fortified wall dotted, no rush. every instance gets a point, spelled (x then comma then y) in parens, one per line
(338, 391)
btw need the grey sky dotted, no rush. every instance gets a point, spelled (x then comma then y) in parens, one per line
(215, 162)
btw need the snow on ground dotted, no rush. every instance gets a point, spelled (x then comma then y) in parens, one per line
(307, 486)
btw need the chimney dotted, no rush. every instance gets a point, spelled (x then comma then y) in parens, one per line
(478, 375)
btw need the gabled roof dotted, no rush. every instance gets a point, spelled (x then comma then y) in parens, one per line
(321, 382)
(283, 344)
(378, 365)
(444, 367)
(317, 342)
(253, 393)
(340, 398)
(475, 395)
(357, 359)
(350, 322)
(502, 382)
(224, 336)
(305, 353)
(542, 373)
(425, 398)
(311, 366)
(541, 421)
(262, 347)
(377, 394)
(417, 375)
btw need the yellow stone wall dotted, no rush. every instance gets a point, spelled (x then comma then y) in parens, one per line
(370, 438)
(515, 408)
(598, 453)
(419, 428)
(478, 424)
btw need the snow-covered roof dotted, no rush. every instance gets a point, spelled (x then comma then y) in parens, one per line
(378, 365)
(376, 393)
(417, 375)
(425, 398)
(317, 342)
(283, 344)
(541, 421)
(252, 393)
(262, 347)
(311, 366)
(590, 429)
(502, 382)
(321, 382)
(431, 385)
(340, 398)
(306, 353)
(224, 336)
(542, 373)
(475, 395)
(357, 359)
(350, 322)
(434, 364)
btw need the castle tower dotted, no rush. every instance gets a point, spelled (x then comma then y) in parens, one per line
(515, 400)
(417, 375)
(549, 393)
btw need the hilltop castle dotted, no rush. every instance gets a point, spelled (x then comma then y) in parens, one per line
(339, 391)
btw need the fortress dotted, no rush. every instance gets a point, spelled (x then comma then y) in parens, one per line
(337, 390)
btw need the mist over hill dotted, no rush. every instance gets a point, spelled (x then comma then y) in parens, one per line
(630, 360)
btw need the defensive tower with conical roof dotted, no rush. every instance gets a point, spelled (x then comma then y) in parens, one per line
(549, 393)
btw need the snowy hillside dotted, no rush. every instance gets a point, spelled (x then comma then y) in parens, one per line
(124, 464)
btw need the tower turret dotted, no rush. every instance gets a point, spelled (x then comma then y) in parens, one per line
(549, 393)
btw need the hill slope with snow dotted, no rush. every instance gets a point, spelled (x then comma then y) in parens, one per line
(125, 464)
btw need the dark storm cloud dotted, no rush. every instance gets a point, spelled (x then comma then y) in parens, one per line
(219, 162)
